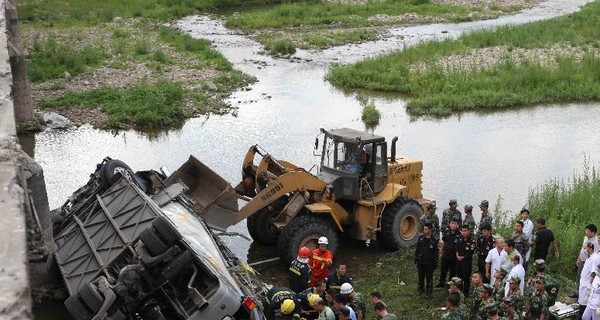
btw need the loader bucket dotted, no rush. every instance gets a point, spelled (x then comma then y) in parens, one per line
(215, 199)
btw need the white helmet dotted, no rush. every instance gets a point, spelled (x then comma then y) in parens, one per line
(346, 288)
(323, 240)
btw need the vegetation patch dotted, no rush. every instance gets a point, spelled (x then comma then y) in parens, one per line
(441, 88)
(319, 39)
(282, 47)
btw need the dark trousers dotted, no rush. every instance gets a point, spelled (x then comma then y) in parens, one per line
(448, 267)
(425, 274)
(581, 311)
(463, 270)
(481, 268)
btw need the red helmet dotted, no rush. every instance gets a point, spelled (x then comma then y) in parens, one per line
(304, 252)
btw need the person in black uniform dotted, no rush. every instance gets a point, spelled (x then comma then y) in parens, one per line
(485, 243)
(282, 304)
(299, 272)
(426, 258)
(464, 258)
(448, 254)
(337, 278)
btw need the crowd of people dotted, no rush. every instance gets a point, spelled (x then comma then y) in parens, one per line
(498, 288)
(320, 290)
(495, 286)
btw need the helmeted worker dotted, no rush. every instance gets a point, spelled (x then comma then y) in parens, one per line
(320, 261)
(306, 302)
(282, 304)
(299, 272)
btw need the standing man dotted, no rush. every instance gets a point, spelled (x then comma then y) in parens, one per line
(486, 217)
(508, 304)
(516, 272)
(469, 220)
(487, 303)
(510, 252)
(464, 258)
(485, 243)
(537, 304)
(452, 306)
(448, 253)
(493, 261)
(320, 261)
(593, 306)
(528, 232)
(299, 272)
(431, 217)
(520, 239)
(336, 279)
(355, 300)
(477, 281)
(589, 237)
(426, 256)
(543, 239)
(514, 283)
(586, 275)
(451, 213)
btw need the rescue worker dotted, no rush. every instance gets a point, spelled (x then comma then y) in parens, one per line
(355, 300)
(485, 243)
(454, 311)
(464, 258)
(426, 258)
(451, 213)
(487, 303)
(319, 289)
(537, 303)
(508, 305)
(477, 281)
(337, 278)
(299, 272)
(282, 304)
(514, 291)
(430, 217)
(469, 220)
(521, 240)
(320, 261)
(486, 217)
(448, 252)
(307, 311)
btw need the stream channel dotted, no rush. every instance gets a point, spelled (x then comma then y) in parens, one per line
(470, 156)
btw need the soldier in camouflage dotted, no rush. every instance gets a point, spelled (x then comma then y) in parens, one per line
(537, 305)
(498, 293)
(551, 285)
(520, 239)
(430, 217)
(475, 300)
(455, 285)
(486, 216)
(515, 293)
(449, 214)
(469, 220)
(487, 303)
(454, 311)
(508, 305)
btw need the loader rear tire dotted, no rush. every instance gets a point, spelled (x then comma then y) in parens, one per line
(152, 242)
(400, 224)
(91, 297)
(261, 229)
(77, 309)
(305, 230)
(166, 230)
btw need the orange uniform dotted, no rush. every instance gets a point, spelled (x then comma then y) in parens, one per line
(319, 265)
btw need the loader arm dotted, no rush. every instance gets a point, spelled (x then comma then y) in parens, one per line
(290, 182)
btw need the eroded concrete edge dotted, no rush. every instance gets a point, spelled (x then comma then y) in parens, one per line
(15, 297)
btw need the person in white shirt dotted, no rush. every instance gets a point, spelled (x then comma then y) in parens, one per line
(593, 304)
(528, 231)
(590, 237)
(325, 312)
(586, 276)
(493, 261)
(518, 272)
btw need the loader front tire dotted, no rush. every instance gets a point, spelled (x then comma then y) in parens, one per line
(400, 224)
(305, 230)
(261, 229)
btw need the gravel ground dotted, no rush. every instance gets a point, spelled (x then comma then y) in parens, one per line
(477, 59)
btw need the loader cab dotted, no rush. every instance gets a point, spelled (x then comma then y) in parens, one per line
(353, 163)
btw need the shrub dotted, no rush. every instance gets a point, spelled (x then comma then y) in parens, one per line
(370, 116)
(283, 47)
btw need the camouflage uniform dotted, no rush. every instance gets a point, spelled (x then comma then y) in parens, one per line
(447, 216)
(358, 304)
(485, 307)
(519, 300)
(435, 222)
(521, 243)
(515, 316)
(498, 293)
(537, 305)
(487, 219)
(470, 221)
(455, 314)
(475, 303)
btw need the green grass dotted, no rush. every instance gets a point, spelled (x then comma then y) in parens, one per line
(370, 116)
(441, 91)
(319, 39)
(148, 105)
(282, 47)
(49, 59)
(324, 13)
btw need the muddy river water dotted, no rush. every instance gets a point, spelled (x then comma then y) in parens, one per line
(471, 156)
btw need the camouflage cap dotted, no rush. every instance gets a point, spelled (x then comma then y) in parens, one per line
(514, 280)
(539, 263)
(484, 203)
(508, 301)
(540, 279)
(487, 287)
(452, 202)
(490, 309)
(431, 204)
(456, 281)
(468, 208)
(503, 272)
